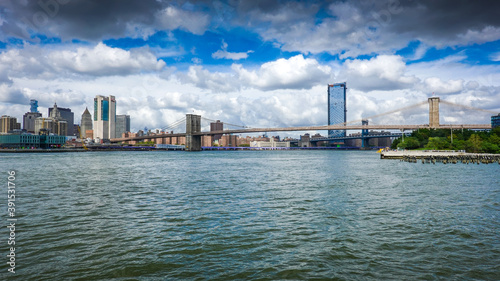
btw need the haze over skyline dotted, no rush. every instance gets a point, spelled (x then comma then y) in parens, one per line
(254, 63)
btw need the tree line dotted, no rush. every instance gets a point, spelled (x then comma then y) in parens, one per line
(444, 139)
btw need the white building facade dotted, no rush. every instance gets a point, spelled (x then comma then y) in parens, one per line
(104, 117)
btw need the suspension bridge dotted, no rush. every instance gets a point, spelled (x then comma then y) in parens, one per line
(192, 137)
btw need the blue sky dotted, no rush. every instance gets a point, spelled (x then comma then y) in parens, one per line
(255, 63)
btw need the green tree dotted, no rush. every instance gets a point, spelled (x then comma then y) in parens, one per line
(475, 143)
(437, 143)
(395, 143)
(489, 147)
(409, 143)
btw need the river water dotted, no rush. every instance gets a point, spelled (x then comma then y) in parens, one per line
(250, 215)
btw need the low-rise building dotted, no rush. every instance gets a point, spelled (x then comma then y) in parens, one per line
(28, 141)
(272, 143)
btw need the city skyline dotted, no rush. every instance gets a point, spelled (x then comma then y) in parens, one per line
(262, 64)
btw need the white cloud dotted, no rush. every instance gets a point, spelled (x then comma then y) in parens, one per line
(224, 54)
(294, 73)
(104, 60)
(487, 34)
(383, 72)
(99, 60)
(495, 56)
(440, 87)
(206, 80)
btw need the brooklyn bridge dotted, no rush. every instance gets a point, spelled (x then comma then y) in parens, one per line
(193, 134)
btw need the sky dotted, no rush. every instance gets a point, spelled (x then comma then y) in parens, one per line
(255, 63)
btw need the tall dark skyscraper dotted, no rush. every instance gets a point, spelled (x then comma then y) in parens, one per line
(337, 112)
(122, 125)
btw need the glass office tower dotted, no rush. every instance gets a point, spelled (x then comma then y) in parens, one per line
(337, 112)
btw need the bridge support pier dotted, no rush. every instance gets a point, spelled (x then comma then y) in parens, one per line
(433, 112)
(193, 125)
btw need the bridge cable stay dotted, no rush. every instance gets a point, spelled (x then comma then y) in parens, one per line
(385, 113)
(468, 107)
(174, 125)
(225, 123)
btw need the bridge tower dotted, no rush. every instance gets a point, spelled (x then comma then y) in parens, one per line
(193, 125)
(433, 112)
(364, 134)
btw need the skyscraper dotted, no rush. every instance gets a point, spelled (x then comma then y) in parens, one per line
(8, 123)
(122, 125)
(337, 112)
(86, 123)
(29, 117)
(104, 117)
(68, 116)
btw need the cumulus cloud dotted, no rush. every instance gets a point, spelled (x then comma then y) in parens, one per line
(294, 73)
(104, 60)
(383, 72)
(99, 60)
(439, 87)
(209, 81)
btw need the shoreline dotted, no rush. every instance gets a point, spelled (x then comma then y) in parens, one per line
(142, 148)
(443, 156)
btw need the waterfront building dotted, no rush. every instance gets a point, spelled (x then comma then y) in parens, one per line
(68, 116)
(27, 141)
(337, 113)
(123, 125)
(104, 117)
(272, 143)
(229, 141)
(54, 124)
(495, 121)
(206, 141)
(85, 124)
(8, 123)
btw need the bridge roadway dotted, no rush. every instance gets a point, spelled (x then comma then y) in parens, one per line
(311, 128)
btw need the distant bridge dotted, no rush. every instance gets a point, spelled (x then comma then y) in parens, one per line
(193, 127)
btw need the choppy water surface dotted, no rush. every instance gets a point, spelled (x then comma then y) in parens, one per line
(266, 215)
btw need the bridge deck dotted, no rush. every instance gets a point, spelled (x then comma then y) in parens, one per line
(313, 128)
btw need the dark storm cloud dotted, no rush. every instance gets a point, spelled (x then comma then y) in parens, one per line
(76, 19)
(364, 26)
(445, 18)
